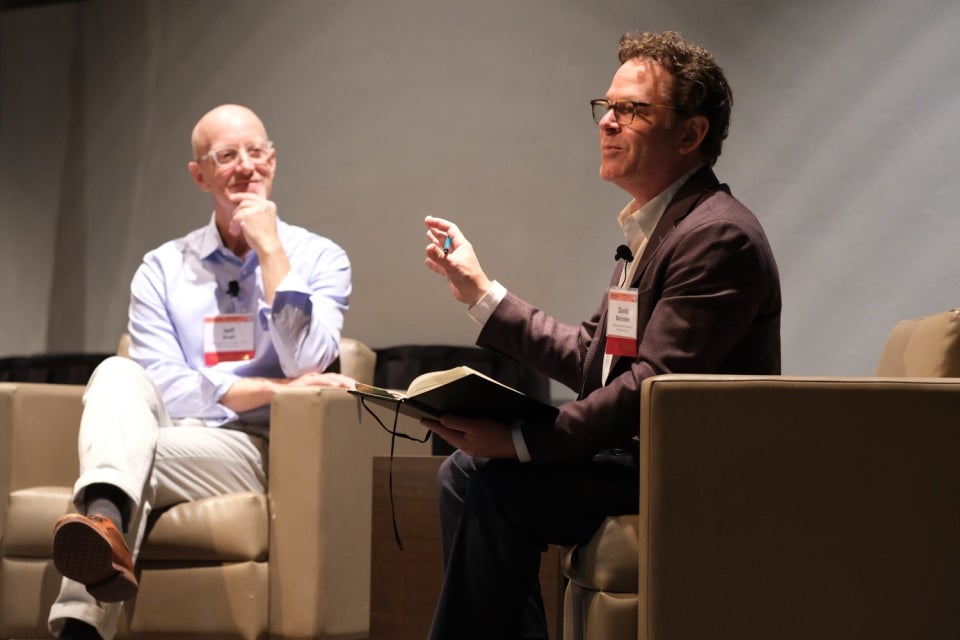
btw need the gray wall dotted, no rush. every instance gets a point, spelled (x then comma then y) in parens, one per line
(845, 141)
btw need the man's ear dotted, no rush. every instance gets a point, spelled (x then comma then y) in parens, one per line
(694, 131)
(197, 175)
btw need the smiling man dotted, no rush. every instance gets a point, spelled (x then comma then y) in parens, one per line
(219, 320)
(695, 290)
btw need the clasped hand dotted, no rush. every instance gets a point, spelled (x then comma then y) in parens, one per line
(255, 218)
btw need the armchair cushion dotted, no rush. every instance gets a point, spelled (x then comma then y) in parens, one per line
(226, 533)
(228, 528)
(599, 564)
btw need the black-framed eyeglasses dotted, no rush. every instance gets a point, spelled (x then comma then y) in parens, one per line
(624, 111)
(258, 152)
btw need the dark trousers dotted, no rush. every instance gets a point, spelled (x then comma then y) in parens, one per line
(497, 517)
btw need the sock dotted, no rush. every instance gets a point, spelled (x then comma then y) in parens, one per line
(105, 500)
(78, 630)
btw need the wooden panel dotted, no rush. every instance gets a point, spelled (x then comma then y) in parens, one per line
(405, 585)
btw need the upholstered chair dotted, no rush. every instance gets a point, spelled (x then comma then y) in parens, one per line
(789, 507)
(291, 563)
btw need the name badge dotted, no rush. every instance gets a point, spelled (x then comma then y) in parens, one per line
(622, 322)
(228, 338)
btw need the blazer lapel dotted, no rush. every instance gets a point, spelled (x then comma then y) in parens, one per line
(690, 194)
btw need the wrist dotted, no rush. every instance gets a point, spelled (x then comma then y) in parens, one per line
(271, 248)
(482, 288)
(483, 308)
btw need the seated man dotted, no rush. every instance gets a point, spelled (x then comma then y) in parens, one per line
(219, 320)
(695, 289)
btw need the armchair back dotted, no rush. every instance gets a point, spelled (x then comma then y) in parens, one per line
(927, 347)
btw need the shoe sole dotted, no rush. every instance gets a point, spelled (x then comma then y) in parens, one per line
(82, 554)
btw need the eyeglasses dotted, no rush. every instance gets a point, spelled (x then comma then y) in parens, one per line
(258, 152)
(624, 111)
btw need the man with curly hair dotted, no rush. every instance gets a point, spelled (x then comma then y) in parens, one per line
(695, 290)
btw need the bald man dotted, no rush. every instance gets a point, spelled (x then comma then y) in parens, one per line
(219, 320)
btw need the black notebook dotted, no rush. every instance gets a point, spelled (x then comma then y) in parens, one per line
(461, 391)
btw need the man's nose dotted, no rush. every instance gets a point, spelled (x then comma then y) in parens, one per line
(244, 162)
(609, 121)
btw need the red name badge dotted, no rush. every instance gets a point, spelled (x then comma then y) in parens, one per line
(227, 338)
(622, 322)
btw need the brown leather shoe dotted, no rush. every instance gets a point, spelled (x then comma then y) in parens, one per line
(90, 550)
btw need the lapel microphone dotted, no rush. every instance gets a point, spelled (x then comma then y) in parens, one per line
(624, 253)
(233, 287)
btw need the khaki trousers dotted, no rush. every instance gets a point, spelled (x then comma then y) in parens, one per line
(128, 440)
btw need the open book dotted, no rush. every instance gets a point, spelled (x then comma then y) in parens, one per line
(461, 391)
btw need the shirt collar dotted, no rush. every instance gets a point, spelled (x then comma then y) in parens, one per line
(208, 241)
(638, 223)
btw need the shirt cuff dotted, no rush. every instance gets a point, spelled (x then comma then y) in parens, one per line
(484, 307)
(523, 455)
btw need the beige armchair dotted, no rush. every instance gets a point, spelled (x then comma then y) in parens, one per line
(789, 507)
(294, 563)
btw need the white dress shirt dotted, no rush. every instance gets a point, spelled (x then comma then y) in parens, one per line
(186, 280)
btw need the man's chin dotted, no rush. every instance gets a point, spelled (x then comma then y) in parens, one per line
(608, 174)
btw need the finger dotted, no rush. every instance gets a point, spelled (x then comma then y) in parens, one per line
(436, 241)
(458, 423)
(452, 231)
(444, 234)
(430, 423)
(435, 235)
(454, 438)
(346, 382)
(242, 196)
(444, 429)
(336, 380)
(435, 252)
(433, 266)
(434, 425)
(438, 224)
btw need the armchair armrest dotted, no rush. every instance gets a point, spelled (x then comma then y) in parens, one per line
(322, 445)
(796, 507)
(38, 437)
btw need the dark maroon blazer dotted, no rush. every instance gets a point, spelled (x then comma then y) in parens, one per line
(709, 302)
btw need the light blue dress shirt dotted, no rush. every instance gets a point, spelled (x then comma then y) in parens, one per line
(186, 280)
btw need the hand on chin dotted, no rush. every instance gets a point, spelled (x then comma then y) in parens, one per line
(254, 187)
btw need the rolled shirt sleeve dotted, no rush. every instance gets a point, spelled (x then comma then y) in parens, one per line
(306, 317)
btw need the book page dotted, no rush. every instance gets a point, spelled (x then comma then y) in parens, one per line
(377, 391)
(434, 379)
